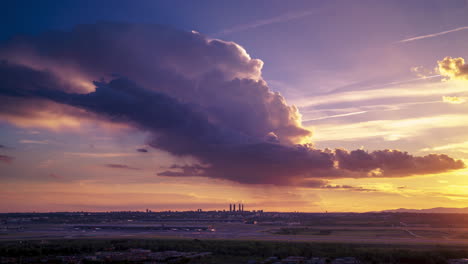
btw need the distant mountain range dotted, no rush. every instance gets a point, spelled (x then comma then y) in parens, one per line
(440, 210)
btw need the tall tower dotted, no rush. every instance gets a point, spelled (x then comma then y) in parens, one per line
(234, 207)
(230, 207)
(240, 209)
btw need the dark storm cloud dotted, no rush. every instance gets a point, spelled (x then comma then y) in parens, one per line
(197, 97)
(19, 80)
(6, 159)
(394, 163)
(301, 165)
(121, 166)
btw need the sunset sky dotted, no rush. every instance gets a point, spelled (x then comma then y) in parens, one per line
(283, 105)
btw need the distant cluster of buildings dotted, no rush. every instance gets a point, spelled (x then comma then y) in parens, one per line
(240, 208)
(232, 208)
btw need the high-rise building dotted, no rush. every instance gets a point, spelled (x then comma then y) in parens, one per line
(234, 207)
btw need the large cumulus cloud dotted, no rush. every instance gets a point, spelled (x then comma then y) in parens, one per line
(219, 76)
(196, 96)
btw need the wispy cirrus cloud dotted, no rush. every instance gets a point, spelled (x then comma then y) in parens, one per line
(462, 147)
(120, 166)
(31, 141)
(387, 128)
(397, 91)
(361, 87)
(330, 112)
(433, 35)
(334, 116)
(102, 154)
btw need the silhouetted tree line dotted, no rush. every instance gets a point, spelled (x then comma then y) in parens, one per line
(233, 251)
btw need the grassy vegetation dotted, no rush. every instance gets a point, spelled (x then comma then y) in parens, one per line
(231, 251)
(389, 233)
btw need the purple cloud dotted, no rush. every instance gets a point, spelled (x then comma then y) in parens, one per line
(196, 96)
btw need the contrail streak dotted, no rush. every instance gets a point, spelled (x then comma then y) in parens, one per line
(432, 35)
(263, 22)
(333, 116)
